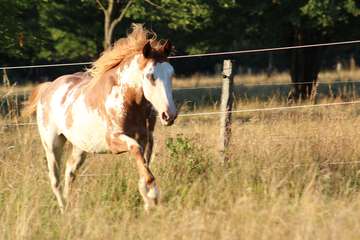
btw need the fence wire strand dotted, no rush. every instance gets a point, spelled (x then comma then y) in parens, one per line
(324, 164)
(266, 49)
(269, 109)
(268, 84)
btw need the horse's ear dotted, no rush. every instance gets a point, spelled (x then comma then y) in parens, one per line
(167, 48)
(147, 50)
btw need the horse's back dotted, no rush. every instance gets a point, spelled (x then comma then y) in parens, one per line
(65, 83)
(57, 92)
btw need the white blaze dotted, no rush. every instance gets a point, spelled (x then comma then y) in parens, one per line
(159, 92)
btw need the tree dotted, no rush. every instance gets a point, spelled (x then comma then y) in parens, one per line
(309, 22)
(193, 13)
(258, 23)
(314, 22)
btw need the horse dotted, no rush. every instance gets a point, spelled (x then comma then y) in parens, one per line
(109, 108)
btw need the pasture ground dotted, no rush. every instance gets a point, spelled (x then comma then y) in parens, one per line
(292, 175)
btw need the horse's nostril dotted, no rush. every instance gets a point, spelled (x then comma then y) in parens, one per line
(165, 116)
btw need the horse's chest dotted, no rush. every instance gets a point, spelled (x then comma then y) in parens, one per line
(127, 109)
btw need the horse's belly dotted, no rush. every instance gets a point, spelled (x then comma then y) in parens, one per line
(87, 129)
(89, 136)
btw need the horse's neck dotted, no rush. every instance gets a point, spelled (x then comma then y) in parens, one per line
(129, 81)
(129, 74)
(119, 85)
(97, 90)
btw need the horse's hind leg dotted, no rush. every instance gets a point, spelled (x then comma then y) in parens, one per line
(148, 146)
(53, 148)
(74, 163)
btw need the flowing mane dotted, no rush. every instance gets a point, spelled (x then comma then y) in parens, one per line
(123, 49)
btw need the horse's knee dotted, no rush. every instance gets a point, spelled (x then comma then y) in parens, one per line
(119, 143)
(136, 150)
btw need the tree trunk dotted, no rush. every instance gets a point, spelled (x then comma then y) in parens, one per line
(107, 37)
(113, 15)
(304, 70)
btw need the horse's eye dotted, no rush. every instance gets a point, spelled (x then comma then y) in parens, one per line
(150, 77)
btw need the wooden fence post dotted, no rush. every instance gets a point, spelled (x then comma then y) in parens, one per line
(7, 98)
(226, 107)
(6, 81)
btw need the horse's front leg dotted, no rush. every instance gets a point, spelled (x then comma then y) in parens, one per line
(147, 186)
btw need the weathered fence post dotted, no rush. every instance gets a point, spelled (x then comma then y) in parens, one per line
(6, 81)
(226, 107)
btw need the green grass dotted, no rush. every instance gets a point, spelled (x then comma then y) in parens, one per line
(291, 175)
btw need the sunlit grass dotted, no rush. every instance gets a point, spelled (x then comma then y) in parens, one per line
(291, 175)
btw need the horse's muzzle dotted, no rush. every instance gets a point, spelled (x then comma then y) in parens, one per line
(167, 119)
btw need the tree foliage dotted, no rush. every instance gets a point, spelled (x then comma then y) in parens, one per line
(21, 35)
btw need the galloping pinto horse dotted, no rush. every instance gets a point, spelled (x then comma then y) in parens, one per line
(108, 108)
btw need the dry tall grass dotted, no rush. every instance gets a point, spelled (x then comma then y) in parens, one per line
(290, 177)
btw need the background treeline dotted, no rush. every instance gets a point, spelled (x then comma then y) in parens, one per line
(43, 31)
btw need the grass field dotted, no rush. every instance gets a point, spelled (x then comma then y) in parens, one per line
(291, 175)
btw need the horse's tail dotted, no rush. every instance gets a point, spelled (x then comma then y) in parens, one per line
(36, 93)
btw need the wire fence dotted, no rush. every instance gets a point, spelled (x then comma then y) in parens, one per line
(213, 113)
(12, 92)
(212, 87)
(204, 55)
(270, 109)
(225, 53)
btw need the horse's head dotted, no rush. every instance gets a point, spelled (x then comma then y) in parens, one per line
(157, 82)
